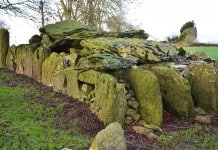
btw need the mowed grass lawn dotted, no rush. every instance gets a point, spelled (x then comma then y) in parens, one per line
(210, 51)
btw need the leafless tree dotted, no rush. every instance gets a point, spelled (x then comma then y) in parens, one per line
(119, 24)
(34, 10)
(3, 24)
(94, 13)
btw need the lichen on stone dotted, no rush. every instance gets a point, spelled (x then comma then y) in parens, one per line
(51, 66)
(104, 62)
(110, 103)
(110, 138)
(146, 88)
(39, 57)
(203, 79)
(175, 91)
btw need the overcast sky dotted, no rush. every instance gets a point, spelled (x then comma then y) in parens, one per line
(162, 18)
(159, 18)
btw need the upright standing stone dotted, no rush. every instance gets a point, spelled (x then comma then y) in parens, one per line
(4, 45)
(50, 67)
(175, 92)
(146, 88)
(203, 79)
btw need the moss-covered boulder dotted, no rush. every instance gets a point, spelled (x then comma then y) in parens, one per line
(4, 46)
(146, 88)
(50, 67)
(105, 62)
(203, 79)
(39, 57)
(110, 103)
(175, 91)
(110, 138)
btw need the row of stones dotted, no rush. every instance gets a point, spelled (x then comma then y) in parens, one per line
(175, 89)
(38, 63)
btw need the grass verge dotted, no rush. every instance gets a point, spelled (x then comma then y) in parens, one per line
(27, 124)
(195, 137)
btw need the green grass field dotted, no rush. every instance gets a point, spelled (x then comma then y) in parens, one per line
(210, 51)
(27, 124)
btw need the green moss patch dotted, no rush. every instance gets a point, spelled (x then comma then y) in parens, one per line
(176, 92)
(146, 88)
(204, 80)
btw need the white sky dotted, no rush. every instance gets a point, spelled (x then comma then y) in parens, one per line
(162, 18)
(21, 30)
(159, 18)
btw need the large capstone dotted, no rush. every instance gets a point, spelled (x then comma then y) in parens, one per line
(104, 62)
(136, 49)
(64, 28)
(176, 92)
(4, 46)
(146, 88)
(203, 79)
(111, 138)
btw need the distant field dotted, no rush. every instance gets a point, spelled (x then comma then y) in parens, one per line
(210, 51)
